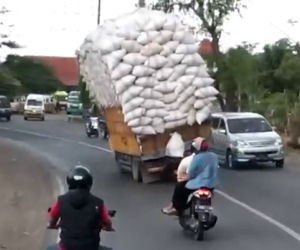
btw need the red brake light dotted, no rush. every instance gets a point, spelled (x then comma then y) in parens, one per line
(204, 192)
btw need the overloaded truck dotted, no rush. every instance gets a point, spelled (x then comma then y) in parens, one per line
(144, 70)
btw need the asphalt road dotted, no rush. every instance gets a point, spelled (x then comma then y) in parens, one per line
(258, 208)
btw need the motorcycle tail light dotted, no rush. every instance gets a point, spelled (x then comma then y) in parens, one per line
(203, 192)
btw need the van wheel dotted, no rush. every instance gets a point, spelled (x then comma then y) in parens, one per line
(43, 118)
(8, 118)
(230, 162)
(279, 164)
(25, 118)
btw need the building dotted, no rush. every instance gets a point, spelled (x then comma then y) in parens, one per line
(66, 69)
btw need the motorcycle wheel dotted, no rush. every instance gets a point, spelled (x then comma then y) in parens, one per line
(199, 234)
(103, 131)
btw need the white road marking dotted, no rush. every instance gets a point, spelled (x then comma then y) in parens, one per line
(258, 213)
(263, 216)
(58, 138)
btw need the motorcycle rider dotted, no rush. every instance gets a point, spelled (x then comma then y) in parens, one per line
(80, 214)
(202, 172)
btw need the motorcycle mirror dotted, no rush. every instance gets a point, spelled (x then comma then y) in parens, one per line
(112, 213)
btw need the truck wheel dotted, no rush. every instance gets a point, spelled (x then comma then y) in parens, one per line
(136, 169)
(119, 164)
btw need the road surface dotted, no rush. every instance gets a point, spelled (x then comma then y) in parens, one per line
(258, 208)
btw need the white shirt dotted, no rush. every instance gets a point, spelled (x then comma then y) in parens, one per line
(184, 167)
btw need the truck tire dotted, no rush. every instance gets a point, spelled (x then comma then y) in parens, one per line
(136, 169)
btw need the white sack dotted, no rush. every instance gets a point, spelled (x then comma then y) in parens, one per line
(175, 146)
(164, 37)
(124, 83)
(179, 35)
(149, 93)
(143, 130)
(153, 104)
(156, 113)
(187, 49)
(170, 98)
(193, 60)
(147, 37)
(187, 105)
(151, 49)
(143, 121)
(187, 93)
(142, 70)
(130, 93)
(174, 116)
(174, 59)
(132, 104)
(178, 72)
(203, 72)
(165, 87)
(172, 45)
(111, 61)
(166, 52)
(146, 82)
(203, 114)
(202, 82)
(170, 23)
(175, 124)
(137, 113)
(156, 61)
(206, 92)
(191, 119)
(164, 74)
(121, 70)
(158, 125)
(128, 34)
(131, 46)
(134, 59)
(201, 103)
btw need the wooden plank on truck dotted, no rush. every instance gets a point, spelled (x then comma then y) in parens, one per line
(121, 138)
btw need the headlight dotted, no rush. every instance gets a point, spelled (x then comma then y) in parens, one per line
(278, 142)
(240, 144)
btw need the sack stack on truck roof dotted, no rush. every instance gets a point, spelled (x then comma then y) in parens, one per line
(147, 63)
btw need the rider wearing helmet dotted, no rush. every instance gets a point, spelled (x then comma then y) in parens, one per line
(80, 214)
(201, 172)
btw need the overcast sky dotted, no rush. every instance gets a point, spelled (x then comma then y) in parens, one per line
(57, 27)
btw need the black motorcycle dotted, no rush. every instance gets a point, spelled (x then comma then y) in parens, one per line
(92, 127)
(198, 217)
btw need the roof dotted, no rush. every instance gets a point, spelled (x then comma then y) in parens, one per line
(205, 47)
(236, 115)
(65, 68)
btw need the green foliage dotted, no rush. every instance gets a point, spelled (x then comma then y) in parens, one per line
(84, 94)
(9, 85)
(35, 77)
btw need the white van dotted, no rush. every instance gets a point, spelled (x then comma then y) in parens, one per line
(34, 107)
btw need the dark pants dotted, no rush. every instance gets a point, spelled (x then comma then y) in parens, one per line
(180, 196)
(55, 247)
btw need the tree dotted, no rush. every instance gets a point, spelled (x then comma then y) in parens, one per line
(9, 85)
(269, 61)
(288, 72)
(35, 77)
(239, 76)
(212, 14)
(4, 39)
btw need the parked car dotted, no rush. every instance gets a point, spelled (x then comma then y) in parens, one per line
(34, 107)
(245, 137)
(5, 108)
(74, 105)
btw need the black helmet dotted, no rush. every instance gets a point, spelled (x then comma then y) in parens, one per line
(80, 178)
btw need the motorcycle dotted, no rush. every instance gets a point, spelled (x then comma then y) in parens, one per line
(92, 127)
(198, 217)
(103, 128)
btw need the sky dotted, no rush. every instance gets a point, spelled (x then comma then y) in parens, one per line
(58, 27)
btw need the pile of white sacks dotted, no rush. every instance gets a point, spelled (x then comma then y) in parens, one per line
(147, 63)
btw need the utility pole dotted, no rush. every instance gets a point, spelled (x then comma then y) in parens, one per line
(99, 12)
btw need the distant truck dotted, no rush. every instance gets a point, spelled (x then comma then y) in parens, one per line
(5, 109)
(74, 105)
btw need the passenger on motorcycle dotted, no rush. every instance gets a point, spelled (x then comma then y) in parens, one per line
(79, 214)
(202, 172)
